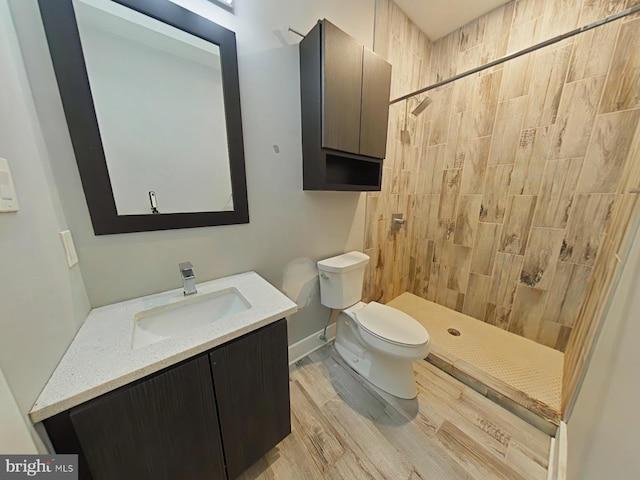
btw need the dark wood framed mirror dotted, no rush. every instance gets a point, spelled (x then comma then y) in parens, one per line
(152, 102)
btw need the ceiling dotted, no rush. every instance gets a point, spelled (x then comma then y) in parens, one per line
(437, 18)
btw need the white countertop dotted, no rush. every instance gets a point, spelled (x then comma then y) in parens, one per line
(101, 358)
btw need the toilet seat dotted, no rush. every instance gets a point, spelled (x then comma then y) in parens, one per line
(391, 325)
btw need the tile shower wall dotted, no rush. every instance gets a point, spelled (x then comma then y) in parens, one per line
(511, 174)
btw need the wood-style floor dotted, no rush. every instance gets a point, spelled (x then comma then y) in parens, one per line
(343, 428)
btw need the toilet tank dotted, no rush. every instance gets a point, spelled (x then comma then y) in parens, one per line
(341, 279)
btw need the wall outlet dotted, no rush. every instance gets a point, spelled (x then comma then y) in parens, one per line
(8, 198)
(69, 248)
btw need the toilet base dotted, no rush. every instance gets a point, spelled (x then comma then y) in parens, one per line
(396, 378)
(392, 375)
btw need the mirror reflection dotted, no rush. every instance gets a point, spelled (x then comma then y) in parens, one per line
(157, 92)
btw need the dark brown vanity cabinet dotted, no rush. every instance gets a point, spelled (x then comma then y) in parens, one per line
(163, 427)
(344, 89)
(209, 417)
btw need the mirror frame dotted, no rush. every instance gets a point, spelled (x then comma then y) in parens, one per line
(59, 20)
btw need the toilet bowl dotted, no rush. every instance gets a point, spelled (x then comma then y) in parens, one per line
(377, 341)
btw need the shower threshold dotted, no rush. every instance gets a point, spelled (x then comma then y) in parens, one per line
(522, 376)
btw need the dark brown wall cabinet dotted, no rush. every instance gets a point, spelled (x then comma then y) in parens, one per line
(344, 89)
(209, 417)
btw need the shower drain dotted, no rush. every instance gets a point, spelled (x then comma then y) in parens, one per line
(454, 332)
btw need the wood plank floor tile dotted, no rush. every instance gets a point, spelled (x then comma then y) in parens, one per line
(476, 416)
(449, 432)
(446, 409)
(521, 461)
(288, 460)
(320, 438)
(503, 423)
(437, 464)
(355, 394)
(311, 374)
(365, 440)
(350, 467)
(473, 457)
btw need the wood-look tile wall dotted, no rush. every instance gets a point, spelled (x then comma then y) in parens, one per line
(511, 175)
(624, 214)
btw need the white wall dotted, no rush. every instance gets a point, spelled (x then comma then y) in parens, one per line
(604, 427)
(286, 223)
(43, 301)
(14, 434)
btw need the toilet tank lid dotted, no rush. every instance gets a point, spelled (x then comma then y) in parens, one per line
(344, 262)
(391, 324)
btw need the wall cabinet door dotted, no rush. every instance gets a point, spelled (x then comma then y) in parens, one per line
(341, 90)
(374, 118)
(251, 379)
(165, 427)
(344, 93)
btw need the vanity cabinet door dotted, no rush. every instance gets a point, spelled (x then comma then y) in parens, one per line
(164, 427)
(251, 379)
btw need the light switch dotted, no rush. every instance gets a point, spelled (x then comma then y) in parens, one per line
(69, 248)
(8, 198)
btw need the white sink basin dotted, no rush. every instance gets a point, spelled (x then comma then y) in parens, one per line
(199, 310)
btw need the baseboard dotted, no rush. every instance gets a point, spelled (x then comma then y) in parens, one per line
(558, 455)
(309, 344)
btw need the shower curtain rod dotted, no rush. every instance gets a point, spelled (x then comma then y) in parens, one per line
(533, 48)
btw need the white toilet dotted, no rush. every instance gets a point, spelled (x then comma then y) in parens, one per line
(377, 341)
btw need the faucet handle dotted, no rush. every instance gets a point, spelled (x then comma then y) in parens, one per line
(184, 266)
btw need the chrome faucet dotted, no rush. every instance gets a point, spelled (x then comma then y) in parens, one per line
(188, 278)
